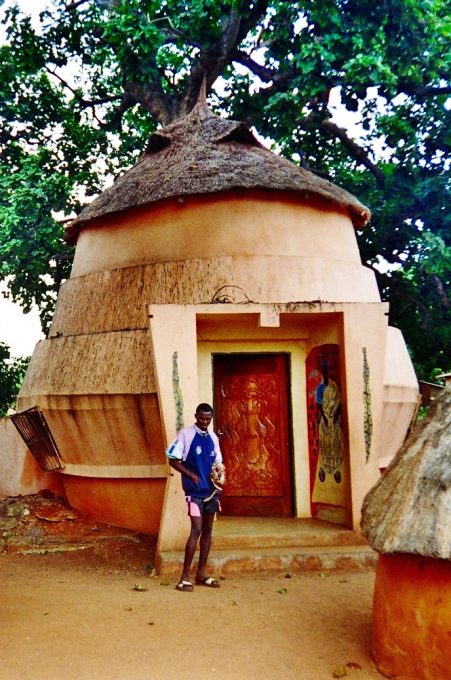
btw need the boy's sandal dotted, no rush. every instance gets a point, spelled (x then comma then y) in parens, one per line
(185, 586)
(209, 582)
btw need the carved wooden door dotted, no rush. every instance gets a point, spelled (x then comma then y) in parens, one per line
(251, 418)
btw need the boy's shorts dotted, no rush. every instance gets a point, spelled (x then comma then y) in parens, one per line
(197, 506)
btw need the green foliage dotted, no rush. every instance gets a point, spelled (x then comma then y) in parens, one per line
(12, 372)
(81, 92)
(30, 238)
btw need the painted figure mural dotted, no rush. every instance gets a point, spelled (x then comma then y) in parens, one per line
(325, 427)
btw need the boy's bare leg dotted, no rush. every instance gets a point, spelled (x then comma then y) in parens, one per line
(205, 544)
(190, 547)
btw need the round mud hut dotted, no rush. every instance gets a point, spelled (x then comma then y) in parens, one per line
(214, 270)
(407, 519)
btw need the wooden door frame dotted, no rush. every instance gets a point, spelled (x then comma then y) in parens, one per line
(290, 483)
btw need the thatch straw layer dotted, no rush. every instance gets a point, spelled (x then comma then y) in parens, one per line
(409, 509)
(102, 363)
(202, 154)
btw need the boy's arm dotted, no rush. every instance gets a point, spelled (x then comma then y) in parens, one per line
(218, 454)
(178, 465)
(175, 455)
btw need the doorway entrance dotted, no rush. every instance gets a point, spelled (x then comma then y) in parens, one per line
(252, 416)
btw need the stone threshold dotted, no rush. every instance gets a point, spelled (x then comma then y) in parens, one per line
(223, 563)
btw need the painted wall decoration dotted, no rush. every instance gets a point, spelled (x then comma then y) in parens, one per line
(178, 397)
(368, 418)
(325, 431)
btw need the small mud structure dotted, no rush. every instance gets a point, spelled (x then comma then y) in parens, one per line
(406, 518)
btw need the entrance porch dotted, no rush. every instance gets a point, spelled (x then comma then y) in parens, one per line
(277, 545)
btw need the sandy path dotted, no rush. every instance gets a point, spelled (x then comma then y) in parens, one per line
(62, 619)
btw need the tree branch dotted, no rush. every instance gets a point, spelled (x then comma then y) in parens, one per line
(428, 91)
(356, 151)
(213, 59)
(74, 4)
(440, 290)
(251, 19)
(127, 102)
(229, 36)
(86, 103)
(155, 101)
(263, 72)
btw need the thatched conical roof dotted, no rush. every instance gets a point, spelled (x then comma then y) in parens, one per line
(409, 508)
(202, 153)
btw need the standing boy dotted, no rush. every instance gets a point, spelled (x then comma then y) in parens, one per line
(193, 454)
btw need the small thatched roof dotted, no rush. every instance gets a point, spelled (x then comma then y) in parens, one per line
(202, 153)
(409, 509)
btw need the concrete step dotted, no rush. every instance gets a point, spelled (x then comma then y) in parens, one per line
(260, 532)
(283, 560)
(278, 545)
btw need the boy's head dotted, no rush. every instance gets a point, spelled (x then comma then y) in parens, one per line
(203, 416)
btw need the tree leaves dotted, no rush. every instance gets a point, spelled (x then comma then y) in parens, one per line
(81, 93)
(12, 371)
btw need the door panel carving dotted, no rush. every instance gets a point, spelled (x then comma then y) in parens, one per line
(251, 413)
(250, 421)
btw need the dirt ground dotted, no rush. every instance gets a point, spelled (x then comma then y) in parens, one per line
(64, 617)
(101, 613)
